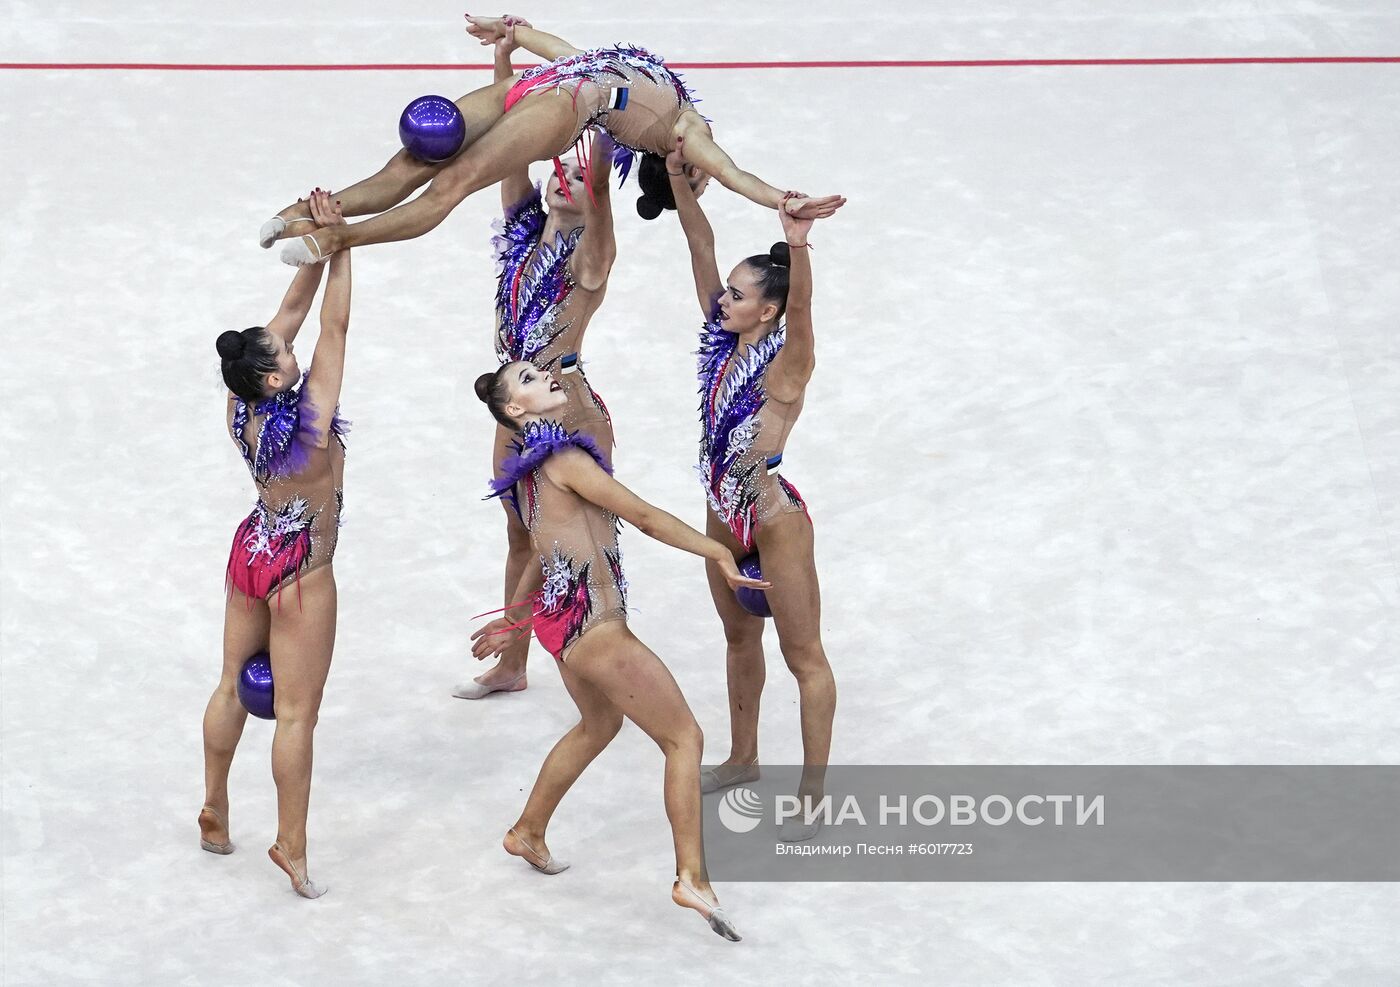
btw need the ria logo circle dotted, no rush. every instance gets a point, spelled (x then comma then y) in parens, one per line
(741, 810)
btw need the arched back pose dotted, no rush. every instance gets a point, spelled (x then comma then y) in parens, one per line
(571, 505)
(282, 595)
(627, 91)
(753, 374)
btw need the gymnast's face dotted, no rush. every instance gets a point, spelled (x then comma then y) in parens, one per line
(742, 307)
(554, 194)
(532, 391)
(287, 373)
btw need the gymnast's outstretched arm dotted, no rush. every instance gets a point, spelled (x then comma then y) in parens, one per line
(699, 236)
(793, 366)
(516, 185)
(323, 385)
(489, 30)
(698, 145)
(597, 248)
(574, 469)
(296, 303)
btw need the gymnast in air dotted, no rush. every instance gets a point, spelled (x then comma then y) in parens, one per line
(539, 115)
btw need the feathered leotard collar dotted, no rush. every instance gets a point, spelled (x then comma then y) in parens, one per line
(278, 454)
(537, 441)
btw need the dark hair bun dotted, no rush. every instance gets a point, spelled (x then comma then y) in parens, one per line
(483, 387)
(655, 185)
(780, 255)
(230, 344)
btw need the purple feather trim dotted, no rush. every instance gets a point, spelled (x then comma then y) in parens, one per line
(538, 441)
(286, 436)
(519, 226)
(622, 159)
(531, 198)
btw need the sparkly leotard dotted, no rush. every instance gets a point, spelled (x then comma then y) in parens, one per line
(575, 539)
(541, 316)
(743, 431)
(293, 527)
(626, 90)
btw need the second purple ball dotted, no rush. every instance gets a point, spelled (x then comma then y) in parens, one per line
(255, 686)
(752, 600)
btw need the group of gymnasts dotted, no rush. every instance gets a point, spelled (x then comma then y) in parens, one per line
(552, 463)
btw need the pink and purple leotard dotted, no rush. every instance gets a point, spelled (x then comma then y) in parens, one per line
(293, 527)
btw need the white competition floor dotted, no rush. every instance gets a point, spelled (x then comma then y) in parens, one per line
(1103, 450)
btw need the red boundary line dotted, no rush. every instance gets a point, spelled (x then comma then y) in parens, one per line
(890, 64)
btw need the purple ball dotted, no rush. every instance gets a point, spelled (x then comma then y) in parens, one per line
(752, 600)
(255, 686)
(432, 128)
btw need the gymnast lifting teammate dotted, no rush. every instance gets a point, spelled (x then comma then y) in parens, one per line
(562, 487)
(281, 587)
(536, 116)
(753, 373)
(553, 269)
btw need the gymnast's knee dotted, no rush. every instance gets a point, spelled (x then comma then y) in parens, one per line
(599, 731)
(404, 173)
(295, 713)
(450, 187)
(807, 659)
(686, 739)
(744, 642)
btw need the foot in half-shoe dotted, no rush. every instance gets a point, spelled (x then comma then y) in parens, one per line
(545, 863)
(726, 775)
(304, 251)
(711, 911)
(271, 231)
(477, 689)
(213, 831)
(296, 870)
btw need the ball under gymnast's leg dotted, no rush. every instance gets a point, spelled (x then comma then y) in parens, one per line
(752, 600)
(255, 685)
(432, 129)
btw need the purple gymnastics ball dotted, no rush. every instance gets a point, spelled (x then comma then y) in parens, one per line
(752, 600)
(432, 128)
(255, 686)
